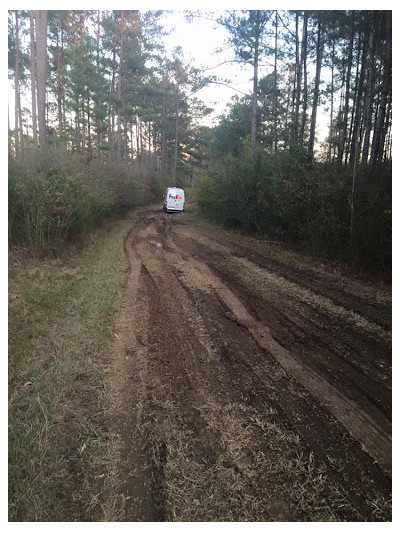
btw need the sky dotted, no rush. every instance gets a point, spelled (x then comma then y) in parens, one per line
(200, 40)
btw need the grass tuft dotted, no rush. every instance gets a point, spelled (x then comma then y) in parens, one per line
(60, 315)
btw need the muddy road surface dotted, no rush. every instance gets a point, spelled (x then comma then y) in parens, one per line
(248, 384)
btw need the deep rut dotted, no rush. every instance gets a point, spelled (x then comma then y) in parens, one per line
(215, 400)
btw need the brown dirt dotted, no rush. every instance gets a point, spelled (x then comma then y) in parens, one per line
(247, 384)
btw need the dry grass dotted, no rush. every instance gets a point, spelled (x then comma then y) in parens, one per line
(270, 282)
(241, 466)
(60, 314)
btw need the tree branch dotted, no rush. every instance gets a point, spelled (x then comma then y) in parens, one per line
(224, 63)
(230, 87)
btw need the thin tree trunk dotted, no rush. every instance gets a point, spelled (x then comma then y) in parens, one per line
(331, 114)
(132, 151)
(163, 139)
(84, 127)
(41, 52)
(298, 87)
(176, 134)
(112, 105)
(378, 138)
(275, 132)
(385, 152)
(357, 106)
(368, 107)
(77, 126)
(254, 100)
(343, 132)
(137, 140)
(310, 154)
(287, 135)
(141, 141)
(353, 187)
(18, 125)
(99, 132)
(59, 88)
(305, 91)
(89, 135)
(119, 135)
(9, 131)
(149, 142)
(33, 77)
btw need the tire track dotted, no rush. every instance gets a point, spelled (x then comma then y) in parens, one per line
(202, 376)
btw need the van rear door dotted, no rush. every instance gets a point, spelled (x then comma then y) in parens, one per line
(175, 199)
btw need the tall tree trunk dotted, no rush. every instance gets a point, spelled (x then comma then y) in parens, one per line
(368, 107)
(163, 139)
(137, 141)
(297, 88)
(253, 133)
(305, 90)
(84, 126)
(287, 113)
(41, 52)
(99, 125)
(378, 138)
(310, 153)
(385, 151)
(33, 76)
(89, 135)
(275, 131)
(354, 97)
(356, 128)
(330, 142)
(119, 135)
(131, 140)
(176, 134)
(344, 125)
(149, 142)
(59, 87)
(111, 127)
(18, 124)
(126, 137)
(77, 126)
(292, 133)
(141, 142)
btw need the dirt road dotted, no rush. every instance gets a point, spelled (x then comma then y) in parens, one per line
(248, 384)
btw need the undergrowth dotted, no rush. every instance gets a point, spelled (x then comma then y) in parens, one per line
(60, 315)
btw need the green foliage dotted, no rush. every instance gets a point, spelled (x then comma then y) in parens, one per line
(206, 194)
(55, 196)
(285, 199)
(372, 236)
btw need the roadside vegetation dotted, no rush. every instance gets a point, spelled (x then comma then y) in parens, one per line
(289, 201)
(56, 197)
(60, 314)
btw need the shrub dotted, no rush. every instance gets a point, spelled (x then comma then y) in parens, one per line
(282, 197)
(55, 195)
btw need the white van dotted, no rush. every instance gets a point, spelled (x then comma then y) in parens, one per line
(174, 199)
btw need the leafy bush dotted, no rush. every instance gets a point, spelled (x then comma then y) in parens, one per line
(55, 195)
(283, 197)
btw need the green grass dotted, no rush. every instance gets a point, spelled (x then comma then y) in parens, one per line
(60, 316)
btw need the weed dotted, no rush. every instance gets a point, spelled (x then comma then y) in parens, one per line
(60, 316)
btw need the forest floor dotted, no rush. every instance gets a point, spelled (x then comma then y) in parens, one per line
(247, 382)
(226, 378)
